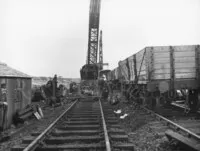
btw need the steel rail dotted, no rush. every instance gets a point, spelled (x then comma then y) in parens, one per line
(174, 104)
(33, 145)
(108, 147)
(177, 127)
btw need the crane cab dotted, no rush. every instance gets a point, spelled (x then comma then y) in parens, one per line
(89, 72)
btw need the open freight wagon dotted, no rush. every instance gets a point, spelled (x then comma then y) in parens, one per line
(167, 71)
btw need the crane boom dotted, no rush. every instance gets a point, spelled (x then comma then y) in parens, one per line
(90, 70)
(94, 16)
(100, 52)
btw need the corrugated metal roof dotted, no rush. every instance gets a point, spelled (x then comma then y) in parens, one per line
(6, 71)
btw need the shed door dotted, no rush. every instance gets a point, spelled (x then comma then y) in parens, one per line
(26, 92)
(11, 99)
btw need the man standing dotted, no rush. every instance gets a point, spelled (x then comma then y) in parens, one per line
(3, 108)
(54, 82)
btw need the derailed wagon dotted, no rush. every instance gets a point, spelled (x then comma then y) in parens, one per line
(163, 73)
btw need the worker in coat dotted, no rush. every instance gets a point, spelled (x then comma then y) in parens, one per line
(3, 109)
(193, 100)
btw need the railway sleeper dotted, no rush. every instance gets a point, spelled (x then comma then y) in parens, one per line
(91, 122)
(123, 146)
(65, 147)
(81, 119)
(118, 137)
(35, 134)
(115, 126)
(96, 146)
(110, 118)
(116, 132)
(183, 141)
(64, 140)
(112, 121)
(78, 127)
(87, 111)
(87, 115)
(84, 115)
(19, 147)
(73, 139)
(75, 132)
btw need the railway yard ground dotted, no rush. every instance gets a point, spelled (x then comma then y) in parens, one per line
(150, 101)
(145, 132)
(32, 125)
(149, 133)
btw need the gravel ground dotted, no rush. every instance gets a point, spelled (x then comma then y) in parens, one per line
(146, 132)
(34, 125)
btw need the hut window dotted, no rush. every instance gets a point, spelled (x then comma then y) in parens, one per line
(3, 83)
(3, 86)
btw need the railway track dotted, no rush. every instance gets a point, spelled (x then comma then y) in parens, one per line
(86, 125)
(181, 127)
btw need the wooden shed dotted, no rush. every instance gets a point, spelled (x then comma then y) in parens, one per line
(15, 89)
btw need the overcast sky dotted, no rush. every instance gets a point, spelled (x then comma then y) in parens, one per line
(44, 37)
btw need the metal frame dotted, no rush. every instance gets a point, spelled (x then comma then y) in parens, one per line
(100, 52)
(94, 16)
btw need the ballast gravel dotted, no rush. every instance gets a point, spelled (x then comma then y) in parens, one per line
(144, 131)
(34, 125)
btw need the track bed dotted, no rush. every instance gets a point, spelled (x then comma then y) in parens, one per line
(83, 127)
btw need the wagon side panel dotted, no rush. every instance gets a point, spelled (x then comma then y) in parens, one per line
(160, 64)
(123, 70)
(184, 62)
(131, 66)
(141, 66)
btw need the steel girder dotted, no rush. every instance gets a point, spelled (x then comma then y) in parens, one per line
(94, 17)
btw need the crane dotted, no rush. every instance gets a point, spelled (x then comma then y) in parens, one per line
(101, 64)
(93, 31)
(90, 70)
